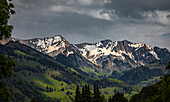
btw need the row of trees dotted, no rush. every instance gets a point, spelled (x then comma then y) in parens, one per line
(87, 96)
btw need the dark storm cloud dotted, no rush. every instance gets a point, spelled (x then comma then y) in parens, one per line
(93, 20)
(133, 7)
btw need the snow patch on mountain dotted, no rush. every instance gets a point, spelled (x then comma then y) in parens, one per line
(154, 54)
(90, 47)
(104, 53)
(93, 51)
(98, 44)
(49, 45)
(119, 49)
(69, 53)
(115, 44)
(136, 45)
(57, 39)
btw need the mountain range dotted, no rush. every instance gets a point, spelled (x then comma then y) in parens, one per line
(40, 76)
(50, 68)
(103, 56)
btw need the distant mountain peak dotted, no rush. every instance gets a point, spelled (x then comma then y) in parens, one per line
(109, 54)
(50, 45)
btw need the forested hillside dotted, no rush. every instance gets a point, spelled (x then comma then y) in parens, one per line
(40, 76)
(158, 92)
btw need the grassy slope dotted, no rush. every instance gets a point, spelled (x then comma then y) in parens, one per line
(149, 81)
(91, 71)
(44, 79)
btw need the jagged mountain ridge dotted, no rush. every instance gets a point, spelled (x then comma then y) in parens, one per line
(106, 54)
(52, 45)
(60, 49)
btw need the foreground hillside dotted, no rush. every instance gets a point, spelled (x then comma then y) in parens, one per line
(158, 92)
(40, 76)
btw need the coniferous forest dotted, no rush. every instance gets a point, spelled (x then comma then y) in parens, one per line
(87, 96)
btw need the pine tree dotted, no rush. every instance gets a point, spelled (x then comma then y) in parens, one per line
(97, 87)
(97, 97)
(86, 95)
(78, 95)
(83, 91)
(89, 93)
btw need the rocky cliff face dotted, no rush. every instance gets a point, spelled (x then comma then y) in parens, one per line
(60, 49)
(119, 54)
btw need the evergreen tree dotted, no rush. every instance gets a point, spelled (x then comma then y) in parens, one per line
(86, 95)
(97, 97)
(83, 92)
(78, 95)
(89, 93)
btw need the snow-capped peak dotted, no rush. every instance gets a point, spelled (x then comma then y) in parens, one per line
(57, 38)
(50, 45)
(119, 49)
(123, 53)
(105, 53)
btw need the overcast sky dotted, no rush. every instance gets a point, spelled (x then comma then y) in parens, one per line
(146, 21)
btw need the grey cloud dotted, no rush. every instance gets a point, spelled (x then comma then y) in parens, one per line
(96, 20)
(166, 35)
(132, 7)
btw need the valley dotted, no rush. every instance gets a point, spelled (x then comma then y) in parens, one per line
(50, 68)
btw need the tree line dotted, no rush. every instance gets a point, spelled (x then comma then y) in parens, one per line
(87, 96)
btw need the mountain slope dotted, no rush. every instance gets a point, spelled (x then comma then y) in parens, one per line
(139, 74)
(35, 71)
(158, 92)
(61, 50)
(122, 54)
(104, 56)
(39, 75)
